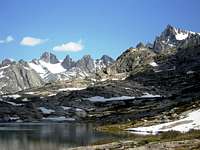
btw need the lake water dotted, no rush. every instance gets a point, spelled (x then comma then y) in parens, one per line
(48, 136)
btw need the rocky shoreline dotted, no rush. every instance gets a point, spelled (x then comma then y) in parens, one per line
(132, 145)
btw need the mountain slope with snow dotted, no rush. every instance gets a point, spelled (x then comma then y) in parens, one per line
(49, 68)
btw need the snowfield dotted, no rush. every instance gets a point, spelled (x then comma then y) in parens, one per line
(191, 121)
(53, 68)
(43, 68)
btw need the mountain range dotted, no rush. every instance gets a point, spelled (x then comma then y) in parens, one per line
(16, 76)
(21, 75)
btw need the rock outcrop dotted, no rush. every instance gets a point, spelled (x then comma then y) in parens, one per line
(49, 58)
(68, 63)
(18, 76)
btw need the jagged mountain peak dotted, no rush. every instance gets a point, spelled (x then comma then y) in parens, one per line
(171, 37)
(68, 63)
(177, 33)
(49, 58)
(86, 63)
(140, 45)
(106, 57)
(104, 62)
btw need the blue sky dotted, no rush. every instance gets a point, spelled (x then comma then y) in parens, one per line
(79, 27)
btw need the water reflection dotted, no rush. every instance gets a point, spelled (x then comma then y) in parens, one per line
(47, 136)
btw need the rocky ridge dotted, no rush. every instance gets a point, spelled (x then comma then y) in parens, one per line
(47, 69)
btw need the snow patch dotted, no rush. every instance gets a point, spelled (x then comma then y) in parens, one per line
(14, 96)
(25, 100)
(115, 79)
(26, 68)
(30, 93)
(4, 67)
(191, 121)
(53, 68)
(65, 108)
(147, 95)
(1, 74)
(102, 99)
(52, 94)
(46, 111)
(71, 89)
(181, 36)
(154, 64)
(104, 79)
(14, 118)
(44, 68)
(38, 68)
(190, 72)
(78, 109)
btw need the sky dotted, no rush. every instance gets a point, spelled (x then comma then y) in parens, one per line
(95, 27)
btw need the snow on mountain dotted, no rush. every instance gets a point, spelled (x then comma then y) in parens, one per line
(51, 72)
(183, 34)
(38, 68)
(99, 64)
(51, 69)
(103, 62)
(172, 37)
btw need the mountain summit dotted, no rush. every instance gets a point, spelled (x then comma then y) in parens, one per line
(171, 37)
(49, 58)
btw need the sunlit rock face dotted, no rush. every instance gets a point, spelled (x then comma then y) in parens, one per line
(18, 76)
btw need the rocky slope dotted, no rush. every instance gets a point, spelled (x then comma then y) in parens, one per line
(157, 83)
(132, 59)
(17, 76)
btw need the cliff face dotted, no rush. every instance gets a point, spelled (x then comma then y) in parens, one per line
(18, 76)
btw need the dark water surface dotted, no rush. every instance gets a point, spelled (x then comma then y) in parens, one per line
(48, 136)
